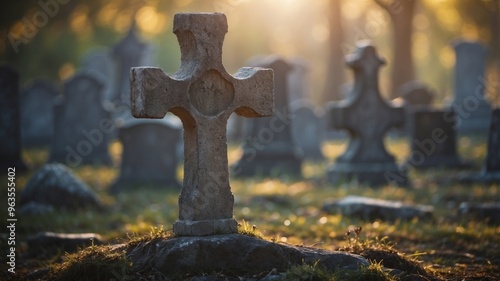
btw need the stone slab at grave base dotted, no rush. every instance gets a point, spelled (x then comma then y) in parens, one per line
(378, 174)
(480, 178)
(481, 211)
(377, 209)
(205, 227)
(232, 254)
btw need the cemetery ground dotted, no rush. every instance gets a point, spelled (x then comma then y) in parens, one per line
(284, 210)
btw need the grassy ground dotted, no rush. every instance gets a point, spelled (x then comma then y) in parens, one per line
(287, 210)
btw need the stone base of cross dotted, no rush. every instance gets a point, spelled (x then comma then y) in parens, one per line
(203, 95)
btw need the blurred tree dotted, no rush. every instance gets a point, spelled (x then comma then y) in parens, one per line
(335, 72)
(401, 14)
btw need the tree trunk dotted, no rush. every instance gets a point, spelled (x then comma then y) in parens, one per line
(335, 72)
(401, 14)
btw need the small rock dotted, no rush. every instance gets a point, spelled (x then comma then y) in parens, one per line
(68, 242)
(481, 211)
(55, 185)
(373, 209)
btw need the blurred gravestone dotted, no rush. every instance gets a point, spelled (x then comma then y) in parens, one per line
(129, 52)
(82, 123)
(203, 95)
(491, 170)
(433, 139)
(37, 112)
(100, 60)
(308, 128)
(10, 129)
(269, 149)
(149, 156)
(298, 79)
(415, 93)
(367, 117)
(472, 109)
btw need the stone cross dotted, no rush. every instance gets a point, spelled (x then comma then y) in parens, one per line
(367, 117)
(203, 95)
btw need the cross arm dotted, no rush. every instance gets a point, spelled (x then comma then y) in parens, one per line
(154, 93)
(254, 90)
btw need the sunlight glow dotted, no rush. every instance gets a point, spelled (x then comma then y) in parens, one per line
(149, 20)
(79, 20)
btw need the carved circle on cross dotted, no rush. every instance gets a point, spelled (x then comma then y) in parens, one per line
(211, 93)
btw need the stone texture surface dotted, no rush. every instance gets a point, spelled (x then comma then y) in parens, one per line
(66, 242)
(233, 253)
(269, 148)
(37, 112)
(473, 110)
(82, 123)
(149, 157)
(10, 123)
(433, 140)
(203, 95)
(367, 117)
(55, 185)
(481, 211)
(377, 209)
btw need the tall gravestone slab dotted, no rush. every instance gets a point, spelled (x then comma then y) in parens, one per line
(367, 117)
(472, 109)
(433, 139)
(10, 129)
(82, 123)
(100, 60)
(37, 112)
(308, 128)
(149, 156)
(129, 52)
(269, 148)
(491, 169)
(203, 95)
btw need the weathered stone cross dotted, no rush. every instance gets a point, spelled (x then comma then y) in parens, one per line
(367, 117)
(203, 95)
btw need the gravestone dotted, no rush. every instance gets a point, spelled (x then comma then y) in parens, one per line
(10, 129)
(472, 109)
(149, 156)
(203, 95)
(82, 123)
(415, 93)
(269, 149)
(491, 170)
(129, 52)
(308, 128)
(298, 79)
(434, 141)
(100, 60)
(367, 117)
(37, 112)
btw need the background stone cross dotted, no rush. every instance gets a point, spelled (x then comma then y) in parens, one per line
(203, 95)
(367, 117)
